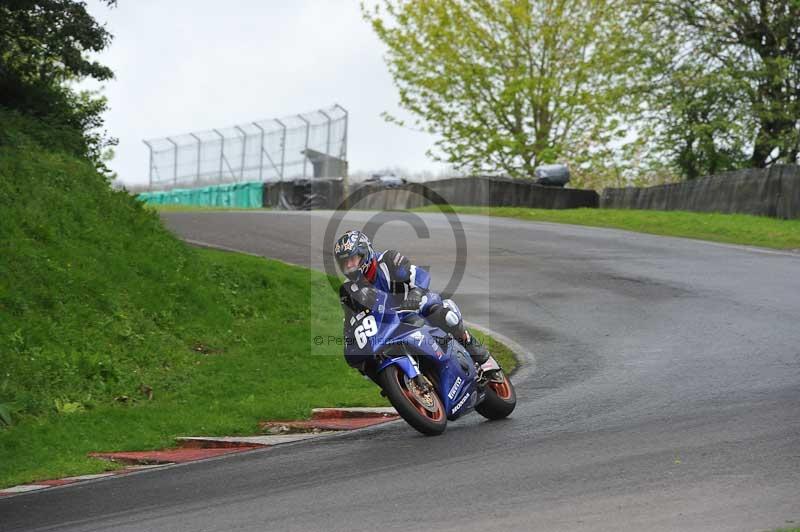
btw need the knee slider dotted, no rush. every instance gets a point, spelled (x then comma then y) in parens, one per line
(452, 318)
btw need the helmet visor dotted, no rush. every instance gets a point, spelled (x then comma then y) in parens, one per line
(350, 264)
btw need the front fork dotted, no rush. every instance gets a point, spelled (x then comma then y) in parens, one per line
(410, 367)
(406, 363)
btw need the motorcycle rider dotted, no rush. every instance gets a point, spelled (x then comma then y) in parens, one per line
(392, 272)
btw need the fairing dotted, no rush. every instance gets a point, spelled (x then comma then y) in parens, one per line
(381, 334)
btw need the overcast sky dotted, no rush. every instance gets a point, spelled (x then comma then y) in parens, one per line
(188, 65)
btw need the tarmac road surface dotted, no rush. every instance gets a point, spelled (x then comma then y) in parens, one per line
(665, 395)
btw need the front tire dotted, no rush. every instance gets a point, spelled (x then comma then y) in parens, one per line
(500, 400)
(423, 410)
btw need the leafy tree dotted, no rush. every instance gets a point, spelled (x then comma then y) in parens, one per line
(700, 126)
(692, 119)
(750, 51)
(510, 84)
(44, 46)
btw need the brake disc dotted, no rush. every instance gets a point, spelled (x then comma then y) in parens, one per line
(424, 397)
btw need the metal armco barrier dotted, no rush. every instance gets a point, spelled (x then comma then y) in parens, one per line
(773, 192)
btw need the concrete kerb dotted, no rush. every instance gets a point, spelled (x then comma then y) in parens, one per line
(215, 448)
(353, 412)
(15, 491)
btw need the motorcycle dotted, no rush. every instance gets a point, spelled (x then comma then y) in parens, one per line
(426, 374)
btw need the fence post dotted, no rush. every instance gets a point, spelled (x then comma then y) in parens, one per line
(343, 156)
(283, 145)
(244, 149)
(221, 151)
(343, 151)
(305, 155)
(199, 143)
(328, 138)
(174, 162)
(260, 154)
(149, 170)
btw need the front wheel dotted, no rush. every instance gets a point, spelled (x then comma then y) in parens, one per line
(415, 400)
(500, 398)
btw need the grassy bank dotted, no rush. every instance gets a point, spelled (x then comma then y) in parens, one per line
(237, 351)
(730, 228)
(240, 353)
(114, 335)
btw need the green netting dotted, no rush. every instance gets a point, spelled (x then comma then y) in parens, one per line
(238, 195)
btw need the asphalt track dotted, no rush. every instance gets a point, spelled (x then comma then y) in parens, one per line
(665, 395)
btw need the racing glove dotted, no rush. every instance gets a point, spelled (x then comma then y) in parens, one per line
(415, 300)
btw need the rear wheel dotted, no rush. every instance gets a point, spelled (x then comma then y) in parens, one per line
(415, 400)
(500, 398)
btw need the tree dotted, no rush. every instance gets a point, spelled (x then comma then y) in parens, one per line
(754, 47)
(692, 119)
(698, 123)
(44, 46)
(510, 84)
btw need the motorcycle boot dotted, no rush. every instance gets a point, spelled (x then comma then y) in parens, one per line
(476, 350)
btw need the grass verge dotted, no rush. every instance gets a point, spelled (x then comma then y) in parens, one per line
(243, 355)
(500, 351)
(115, 335)
(239, 353)
(729, 228)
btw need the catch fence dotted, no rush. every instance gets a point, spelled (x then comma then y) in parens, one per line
(311, 144)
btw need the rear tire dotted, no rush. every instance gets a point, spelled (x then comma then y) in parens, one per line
(500, 399)
(424, 412)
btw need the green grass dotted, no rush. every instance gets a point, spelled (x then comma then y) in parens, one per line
(501, 352)
(244, 354)
(729, 228)
(114, 335)
(245, 357)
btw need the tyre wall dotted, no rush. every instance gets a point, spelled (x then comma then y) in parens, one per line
(331, 192)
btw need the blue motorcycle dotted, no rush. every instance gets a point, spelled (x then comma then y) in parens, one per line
(425, 373)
